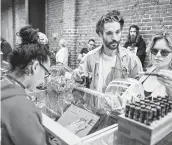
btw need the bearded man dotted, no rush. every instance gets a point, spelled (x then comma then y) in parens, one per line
(110, 60)
(136, 43)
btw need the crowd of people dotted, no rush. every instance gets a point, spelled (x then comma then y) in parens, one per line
(30, 61)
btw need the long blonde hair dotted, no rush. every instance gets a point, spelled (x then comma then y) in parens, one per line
(63, 43)
(167, 35)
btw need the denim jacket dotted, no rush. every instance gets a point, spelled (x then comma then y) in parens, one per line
(127, 65)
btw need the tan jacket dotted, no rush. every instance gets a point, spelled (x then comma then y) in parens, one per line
(127, 65)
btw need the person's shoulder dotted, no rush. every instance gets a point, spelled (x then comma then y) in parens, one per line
(126, 43)
(25, 107)
(142, 40)
(5, 43)
(94, 51)
(90, 55)
(125, 52)
(84, 50)
(19, 106)
(60, 51)
(25, 103)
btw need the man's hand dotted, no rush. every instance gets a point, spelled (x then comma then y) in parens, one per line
(165, 78)
(79, 73)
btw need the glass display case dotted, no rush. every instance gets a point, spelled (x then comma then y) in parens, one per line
(71, 121)
(109, 135)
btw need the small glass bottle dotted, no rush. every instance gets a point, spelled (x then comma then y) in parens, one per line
(149, 115)
(137, 113)
(132, 109)
(127, 110)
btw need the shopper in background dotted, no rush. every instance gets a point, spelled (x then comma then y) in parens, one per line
(5, 49)
(161, 52)
(44, 40)
(166, 79)
(63, 54)
(21, 120)
(136, 43)
(85, 50)
(82, 53)
(91, 44)
(110, 60)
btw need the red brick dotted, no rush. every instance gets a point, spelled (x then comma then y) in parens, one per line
(168, 19)
(146, 28)
(157, 19)
(154, 15)
(166, 23)
(77, 23)
(146, 20)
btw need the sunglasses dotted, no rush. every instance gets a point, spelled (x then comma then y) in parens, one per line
(163, 52)
(111, 18)
(47, 73)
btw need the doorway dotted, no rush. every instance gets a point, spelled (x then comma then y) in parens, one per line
(37, 14)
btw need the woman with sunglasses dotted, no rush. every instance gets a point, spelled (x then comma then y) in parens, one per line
(21, 121)
(161, 55)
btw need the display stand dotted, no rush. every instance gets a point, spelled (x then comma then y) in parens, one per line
(64, 136)
(107, 136)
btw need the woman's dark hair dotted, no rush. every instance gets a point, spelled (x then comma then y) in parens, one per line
(109, 17)
(165, 34)
(23, 56)
(2, 39)
(28, 35)
(134, 26)
(91, 40)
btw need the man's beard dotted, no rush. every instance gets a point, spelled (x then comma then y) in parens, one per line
(113, 45)
(133, 38)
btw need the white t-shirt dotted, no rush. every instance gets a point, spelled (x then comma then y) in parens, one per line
(106, 64)
(62, 56)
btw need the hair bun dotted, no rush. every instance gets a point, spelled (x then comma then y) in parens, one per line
(28, 35)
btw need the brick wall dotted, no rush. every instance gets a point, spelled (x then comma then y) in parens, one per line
(13, 18)
(6, 22)
(19, 18)
(150, 15)
(75, 20)
(69, 29)
(54, 22)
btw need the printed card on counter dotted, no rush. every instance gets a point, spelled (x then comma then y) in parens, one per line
(78, 120)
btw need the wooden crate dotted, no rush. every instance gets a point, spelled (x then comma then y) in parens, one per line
(149, 135)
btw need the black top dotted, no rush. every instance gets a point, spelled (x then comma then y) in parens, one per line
(141, 51)
(84, 50)
(6, 49)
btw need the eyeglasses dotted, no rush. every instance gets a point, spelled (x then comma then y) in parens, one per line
(163, 52)
(47, 73)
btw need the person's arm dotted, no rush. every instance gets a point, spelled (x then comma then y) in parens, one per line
(141, 49)
(165, 78)
(79, 57)
(82, 69)
(126, 45)
(60, 56)
(136, 66)
(26, 127)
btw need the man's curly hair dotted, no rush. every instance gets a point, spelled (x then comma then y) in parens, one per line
(111, 16)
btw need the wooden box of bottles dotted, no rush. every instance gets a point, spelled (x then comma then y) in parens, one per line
(146, 134)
